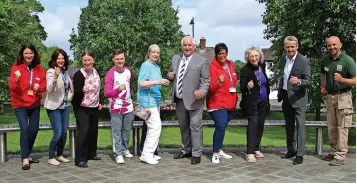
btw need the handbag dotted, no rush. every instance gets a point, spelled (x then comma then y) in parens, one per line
(142, 113)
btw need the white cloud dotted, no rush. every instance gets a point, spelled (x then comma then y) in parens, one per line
(236, 23)
(59, 24)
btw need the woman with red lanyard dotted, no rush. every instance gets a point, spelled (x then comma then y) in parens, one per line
(222, 97)
(27, 83)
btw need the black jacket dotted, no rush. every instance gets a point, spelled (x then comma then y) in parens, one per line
(250, 99)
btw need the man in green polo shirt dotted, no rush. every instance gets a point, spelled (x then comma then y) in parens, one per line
(338, 74)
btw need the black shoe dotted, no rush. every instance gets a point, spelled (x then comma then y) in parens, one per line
(26, 167)
(82, 164)
(195, 160)
(95, 158)
(298, 160)
(328, 157)
(34, 160)
(182, 155)
(289, 155)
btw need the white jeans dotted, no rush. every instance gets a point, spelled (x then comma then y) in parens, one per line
(153, 133)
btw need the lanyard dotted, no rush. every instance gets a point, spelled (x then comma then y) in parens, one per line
(31, 74)
(229, 74)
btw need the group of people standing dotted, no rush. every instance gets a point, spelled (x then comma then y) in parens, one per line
(195, 81)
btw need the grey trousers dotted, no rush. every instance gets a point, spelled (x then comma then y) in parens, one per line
(292, 116)
(191, 129)
(121, 127)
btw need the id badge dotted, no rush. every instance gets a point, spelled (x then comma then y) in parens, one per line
(339, 68)
(30, 92)
(232, 90)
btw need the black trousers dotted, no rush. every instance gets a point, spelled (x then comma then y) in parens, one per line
(256, 126)
(143, 138)
(87, 133)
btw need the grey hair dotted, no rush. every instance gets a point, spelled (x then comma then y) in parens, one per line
(250, 50)
(291, 38)
(149, 50)
(188, 37)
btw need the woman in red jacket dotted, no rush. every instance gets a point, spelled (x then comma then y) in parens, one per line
(222, 97)
(27, 83)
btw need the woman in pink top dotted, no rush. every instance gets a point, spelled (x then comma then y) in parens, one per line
(118, 89)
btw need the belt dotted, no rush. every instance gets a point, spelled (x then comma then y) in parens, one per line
(339, 91)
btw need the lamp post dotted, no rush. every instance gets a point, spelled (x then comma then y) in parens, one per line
(192, 23)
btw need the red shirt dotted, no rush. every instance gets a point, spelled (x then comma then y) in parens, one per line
(20, 97)
(218, 96)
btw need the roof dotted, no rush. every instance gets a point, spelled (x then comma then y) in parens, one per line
(268, 54)
(208, 53)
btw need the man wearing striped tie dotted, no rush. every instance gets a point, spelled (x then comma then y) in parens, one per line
(190, 75)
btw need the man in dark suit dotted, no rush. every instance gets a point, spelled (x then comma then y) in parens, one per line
(190, 75)
(293, 84)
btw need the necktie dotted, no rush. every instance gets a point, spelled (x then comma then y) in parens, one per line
(181, 74)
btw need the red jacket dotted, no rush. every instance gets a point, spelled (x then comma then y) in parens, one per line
(219, 96)
(19, 89)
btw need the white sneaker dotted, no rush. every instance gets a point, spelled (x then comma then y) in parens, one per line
(149, 160)
(222, 154)
(127, 154)
(119, 159)
(215, 159)
(157, 157)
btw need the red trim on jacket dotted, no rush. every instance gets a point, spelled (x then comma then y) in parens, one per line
(219, 96)
(19, 89)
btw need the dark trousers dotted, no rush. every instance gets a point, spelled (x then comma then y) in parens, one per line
(29, 123)
(256, 126)
(87, 133)
(221, 119)
(143, 137)
(59, 119)
(291, 116)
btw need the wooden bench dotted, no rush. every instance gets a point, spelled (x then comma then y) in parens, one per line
(137, 125)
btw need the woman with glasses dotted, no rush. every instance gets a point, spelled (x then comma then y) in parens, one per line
(221, 98)
(254, 86)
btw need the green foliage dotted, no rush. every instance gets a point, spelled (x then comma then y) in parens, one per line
(19, 25)
(105, 25)
(312, 22)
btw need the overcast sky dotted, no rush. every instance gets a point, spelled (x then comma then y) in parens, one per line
(238, 23)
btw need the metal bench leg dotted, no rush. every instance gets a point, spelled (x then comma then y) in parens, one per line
(72, 138)
(136, 141)
(3, 147)
(319, 141)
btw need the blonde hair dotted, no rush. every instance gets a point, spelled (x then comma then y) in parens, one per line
(257, 49)
(149, 50)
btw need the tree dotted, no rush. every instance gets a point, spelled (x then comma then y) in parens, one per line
(105, 25)
(312, 22)
(19, 25)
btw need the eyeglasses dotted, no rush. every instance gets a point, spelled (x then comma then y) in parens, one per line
(254, 57)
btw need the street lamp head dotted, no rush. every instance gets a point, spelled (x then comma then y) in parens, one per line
(192, 22)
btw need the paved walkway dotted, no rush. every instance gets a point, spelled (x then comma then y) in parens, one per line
(267, 170)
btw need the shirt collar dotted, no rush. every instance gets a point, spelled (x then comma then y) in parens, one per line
(188, 58)
(292, 59)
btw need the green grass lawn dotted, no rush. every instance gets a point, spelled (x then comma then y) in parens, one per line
(170, 137)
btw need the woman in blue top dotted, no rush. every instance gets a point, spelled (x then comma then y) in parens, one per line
(149, 96)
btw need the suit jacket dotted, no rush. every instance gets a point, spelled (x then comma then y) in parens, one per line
(297, 94)
(196, 77)
(250, 100)
(55, 90)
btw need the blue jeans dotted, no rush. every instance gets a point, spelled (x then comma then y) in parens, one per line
(29, 123)
(221, 118)
(59, 121)
(121, 127)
